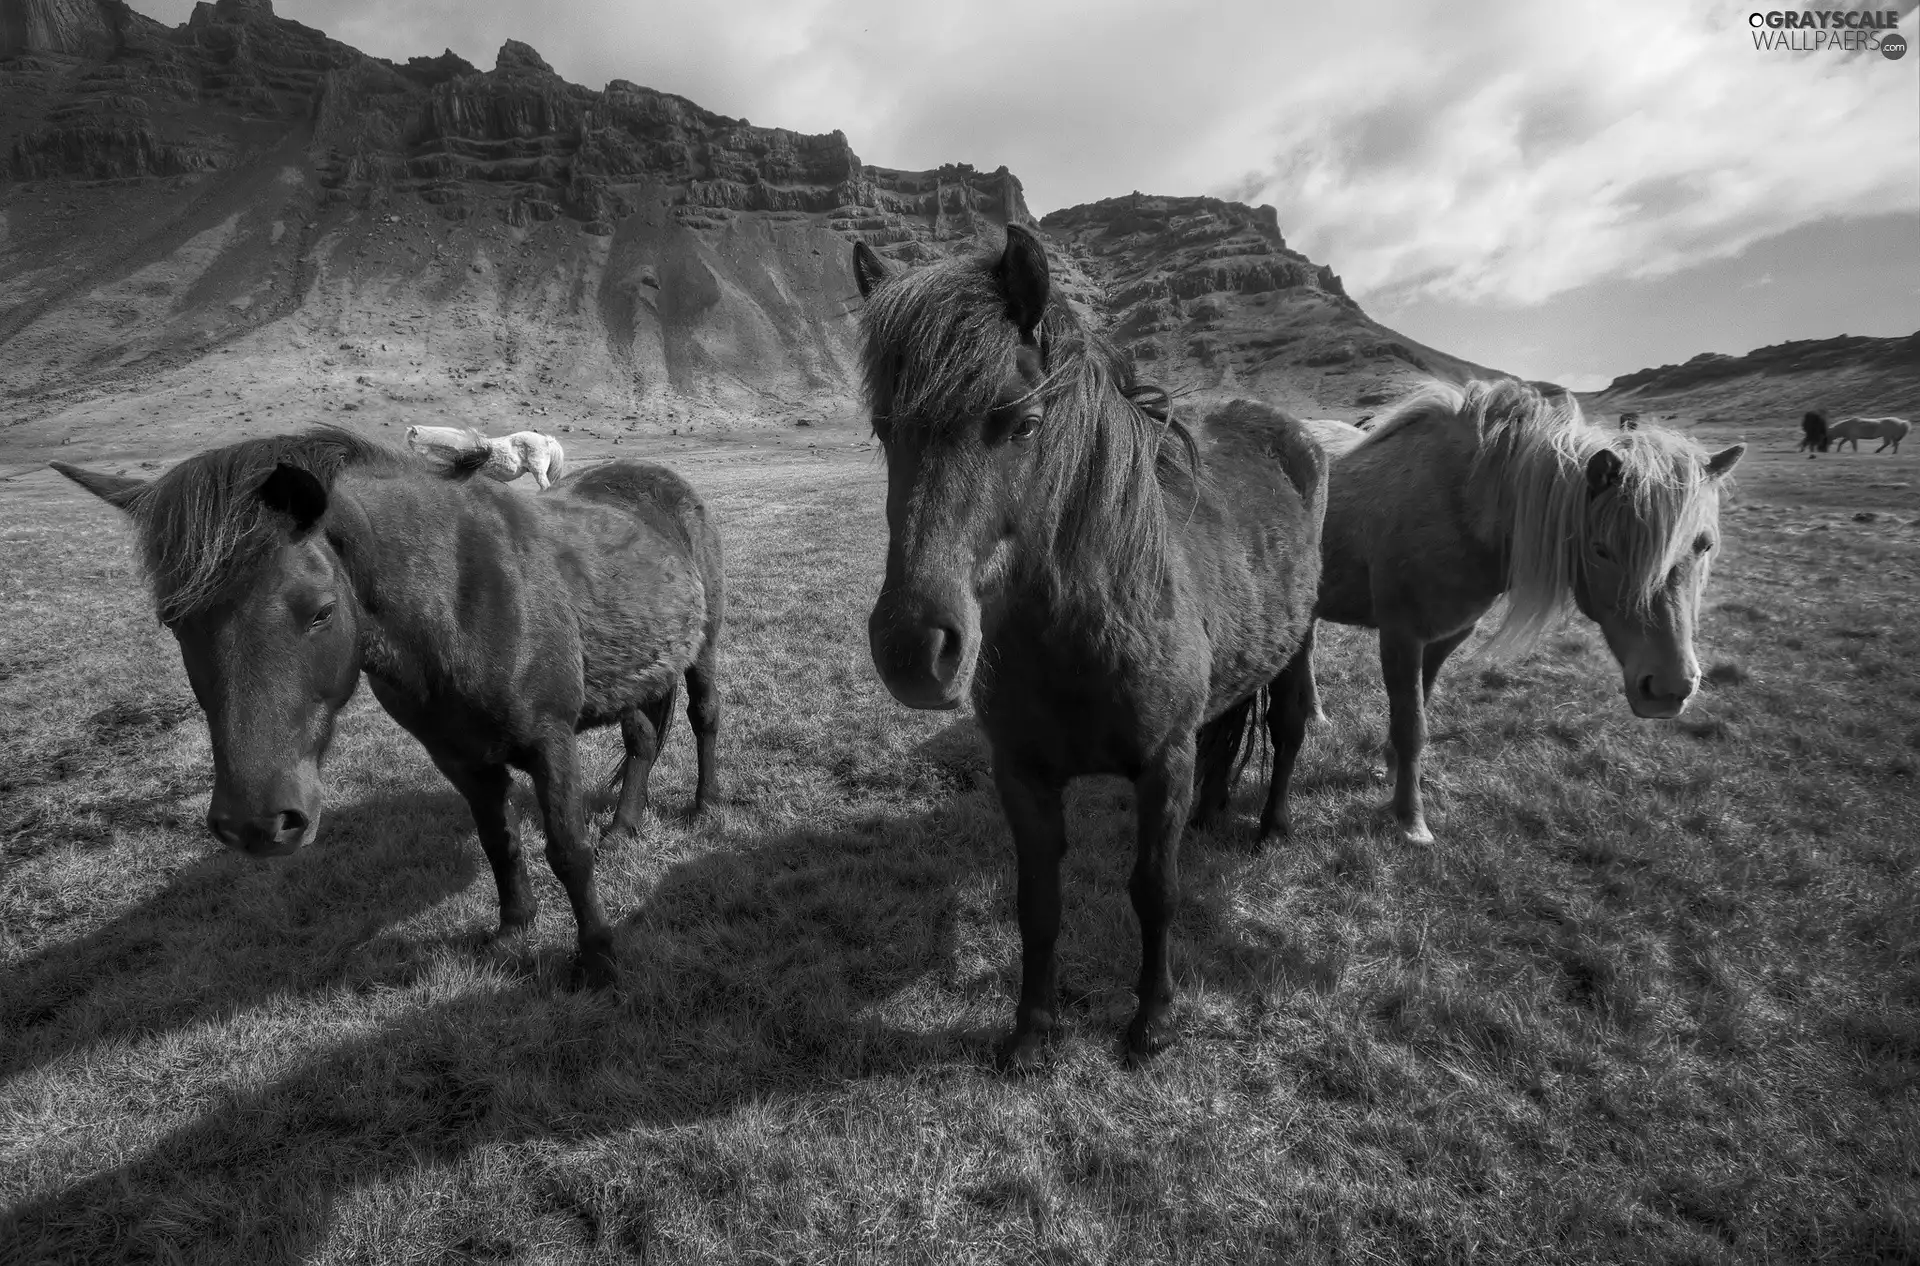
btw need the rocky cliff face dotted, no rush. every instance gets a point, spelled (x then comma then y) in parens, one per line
(243, 181)
(1211, 300)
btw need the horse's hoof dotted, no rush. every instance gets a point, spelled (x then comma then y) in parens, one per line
(1417, 833)
(513, 925)
(594, 969)
(1146, 1038)
(1319, 721)
(1023, 1052)
(618, 835)
(1279, 831)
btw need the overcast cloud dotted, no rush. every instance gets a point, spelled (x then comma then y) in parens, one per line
(1482, 151)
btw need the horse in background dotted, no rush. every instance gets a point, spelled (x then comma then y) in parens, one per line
(508, 456)
(1116, 593)
(1458, 497)
(1629, 421)
(1889, 431)
(1813, 433)
(492, 627)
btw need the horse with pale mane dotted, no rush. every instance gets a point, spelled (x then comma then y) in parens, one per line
(1457, 498)
(1889, 431)
(508, 456)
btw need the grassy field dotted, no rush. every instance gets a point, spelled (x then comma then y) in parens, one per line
(1654, 996)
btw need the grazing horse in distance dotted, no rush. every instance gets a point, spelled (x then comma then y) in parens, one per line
(1459, 497)
(1889, 431)
(492, 627)
(508, 456)
(1116, 593)
(1629, 421)
(1813, 433)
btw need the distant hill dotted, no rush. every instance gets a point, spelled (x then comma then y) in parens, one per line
(1844, 375)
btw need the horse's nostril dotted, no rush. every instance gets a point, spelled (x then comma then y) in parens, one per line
(947, 643)
(293, 822)
(1651, 689)
(222, 829)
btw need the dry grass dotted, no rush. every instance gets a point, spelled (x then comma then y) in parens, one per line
(1653, 997)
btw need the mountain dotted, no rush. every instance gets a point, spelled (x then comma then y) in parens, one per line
(1211, 300)
(1843, 376)
(430, 241)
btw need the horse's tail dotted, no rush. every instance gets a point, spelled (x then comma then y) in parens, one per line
(556, 459)
(1227, 744)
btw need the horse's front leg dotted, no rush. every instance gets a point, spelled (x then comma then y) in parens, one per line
(1401, 668)
(556, 780)
(1161, 795)
(1038, 822)
(487, 788)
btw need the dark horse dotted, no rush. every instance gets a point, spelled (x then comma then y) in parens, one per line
(1118, 594)
(493, 626)
(1813, 434)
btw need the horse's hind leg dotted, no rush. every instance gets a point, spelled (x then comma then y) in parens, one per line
(486, 788)
(556, 780)
(703, 714)
(1400, 669)
(1435, 655)
(1289, 706)
(1310, 684)
(645, 730)
(1217, 758)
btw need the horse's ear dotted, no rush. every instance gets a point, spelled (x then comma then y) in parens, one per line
(869, 270)
(1721, 464)
(1603, 471)
(294, 492)
(1022, 274)
(116, 490)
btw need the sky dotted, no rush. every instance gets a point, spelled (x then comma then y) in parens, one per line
(1566, 191)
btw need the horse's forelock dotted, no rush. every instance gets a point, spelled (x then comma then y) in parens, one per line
(201, 524)
(1538, 450)
(939, 347)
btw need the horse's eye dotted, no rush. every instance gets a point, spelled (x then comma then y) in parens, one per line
(1702, 545)
(321, 617)
(1601, 552)
(1024, 427)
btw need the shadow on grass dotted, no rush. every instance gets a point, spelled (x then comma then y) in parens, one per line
(239, 929)
(766, 970)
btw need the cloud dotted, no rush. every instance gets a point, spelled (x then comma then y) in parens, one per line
(1579, 143)
(1484, 151)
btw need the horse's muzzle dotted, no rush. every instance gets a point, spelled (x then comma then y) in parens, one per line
(1654, 699)
(274, 835)
(925, 657)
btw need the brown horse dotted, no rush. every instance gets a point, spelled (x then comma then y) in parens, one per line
(1457, 498)
(492, 626)
(1116, 594)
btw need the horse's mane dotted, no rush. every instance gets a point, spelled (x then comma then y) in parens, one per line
(200, 523)
(939, 340)
(1530, 466)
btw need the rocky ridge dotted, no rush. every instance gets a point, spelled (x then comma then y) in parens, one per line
(1210, 299)
(420, 237)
